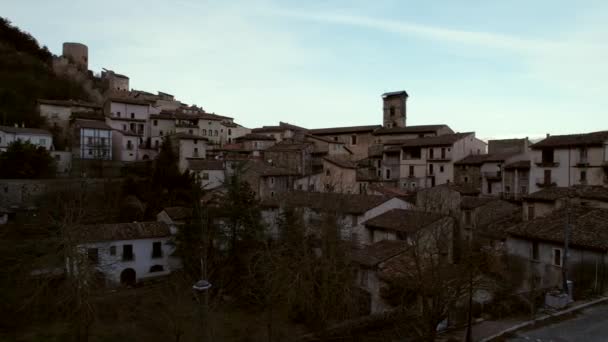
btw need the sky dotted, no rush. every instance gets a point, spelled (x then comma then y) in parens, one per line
(504, 69)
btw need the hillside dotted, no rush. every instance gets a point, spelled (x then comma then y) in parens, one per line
(26, 74)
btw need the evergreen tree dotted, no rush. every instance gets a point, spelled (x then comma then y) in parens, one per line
(24, 160)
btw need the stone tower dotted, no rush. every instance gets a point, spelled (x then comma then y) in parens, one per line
(78, 53)
(394, 109)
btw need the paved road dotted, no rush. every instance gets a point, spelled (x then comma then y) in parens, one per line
(589, 325)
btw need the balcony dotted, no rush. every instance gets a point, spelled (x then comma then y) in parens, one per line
(539, 161)
(542, 182)
(445, 157)
(583, 161)
(495, 176)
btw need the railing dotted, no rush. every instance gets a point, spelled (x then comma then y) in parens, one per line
(547, 163)
(582, 161)
(447, 156)
(493, 175)
(543, 182)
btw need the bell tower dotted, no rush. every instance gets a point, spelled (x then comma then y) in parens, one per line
(394, 109)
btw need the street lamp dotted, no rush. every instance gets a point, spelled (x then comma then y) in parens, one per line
(201, 288)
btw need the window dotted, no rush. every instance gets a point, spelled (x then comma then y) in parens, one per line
(507, 189)
(557, 256)
(466, 179)
(467, 217)
(209, 123)
(129, 145)
(127, 252)
(431, 169)
(335, 138)
(112, 250)
(272, 194)
(204, 132)
(157, 250)
(124, 127)
(216, 133)
(388, 174)
(583, 176)
(90, 152)
(353, 140)
(132, 127)
(156, 268)
(118, 114)
(190, 131)
(392, 110)
(205, 176)
(93, 256)
(89, 141)
(196, 152)
(311, 187)
(271, 180)
(583, 154)
(161, 133)
(132, 115)
(534, 250)
(524, 189)
(327, 172)
(42, 142)
(441, 168)
(531, 212)
(155, 122)
(443, 153)
(103, 141)
(379, 163)
(411, 170)
(431, 153)
(547, 156)
(156, 143)
(547, 179)
(57, 157)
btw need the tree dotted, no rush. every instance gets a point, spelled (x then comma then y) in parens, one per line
(24, 160)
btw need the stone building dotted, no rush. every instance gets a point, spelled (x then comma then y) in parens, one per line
(266, 180)
(357, 139)
(394, 109)
(292, 155)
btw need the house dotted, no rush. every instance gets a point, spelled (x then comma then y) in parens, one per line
(338, 174)
(92, 140)
(401, 224)
(175, 217)
(291, 154)
(445, 198)
(124, 253)
(267, 180)
(566, 160)
(283, 131)
(210, 173)
(386, 134)
(256, 142)
(394, 109)
(58, 114)
(128, 115)
(486, 217)
(357, 139)
(115, 81)
(37, 137)
(467, 170)
(369, 261)
(352, 210)
(188, 146)
(536, 250)
(545, 201)
(128, 146)
(427, 162)
(516, 179)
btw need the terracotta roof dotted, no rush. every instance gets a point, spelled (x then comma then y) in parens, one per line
(411, 129)
(472, 202)
(120, 231)
(344, 130)
(264, 169)
(205, 164)
(403, 220)
(589, 227)
(129, 100)
(379, 252)
(588, 139)
(189, 136)
(594, 192)
(95, 124)
(287, 145)
(255, 136)
(395, 93)
(522, 164)
(441, 140)
(178, 213)
(327, 201)
(23, 130)
(341, 162)
(69, 103)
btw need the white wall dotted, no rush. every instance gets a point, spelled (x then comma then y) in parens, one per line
(98, 138)
(214, 179)
(43, 140)
(63, 161)
(113, 265)
(187, 150)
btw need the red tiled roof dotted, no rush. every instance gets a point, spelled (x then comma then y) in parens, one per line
(587, 139)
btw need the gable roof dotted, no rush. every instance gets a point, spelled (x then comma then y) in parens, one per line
(593, 192)
(344, 130)
(178, 213)
(378, 252)
(441, 140)
(23, 130)
(94, 124)
(479, 159)
(395, 93)
(587, 139)
(463, 189)
(403, 220)
(255, 136)
(589, 227)
(342, 162)
(205, 164)
(412, 129)
(288, 145)
(327, 201)
(522, 164)
(120, 231)
(69, 103)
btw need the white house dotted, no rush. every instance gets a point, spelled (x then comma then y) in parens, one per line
(93, 140)
(128, 115)
(129, 146)
(353, 210)
(125, 253)
(429, 161)
(210, 173)
(188, 146)
(566, 160)
(58, 112)
(34, 136)
(175, 217)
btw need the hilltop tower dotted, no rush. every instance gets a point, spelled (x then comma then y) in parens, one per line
(77, 53)
(394, 108)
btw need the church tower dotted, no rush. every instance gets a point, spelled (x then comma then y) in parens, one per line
(394, 108)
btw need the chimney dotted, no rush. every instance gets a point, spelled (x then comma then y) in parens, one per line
(548, 135)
